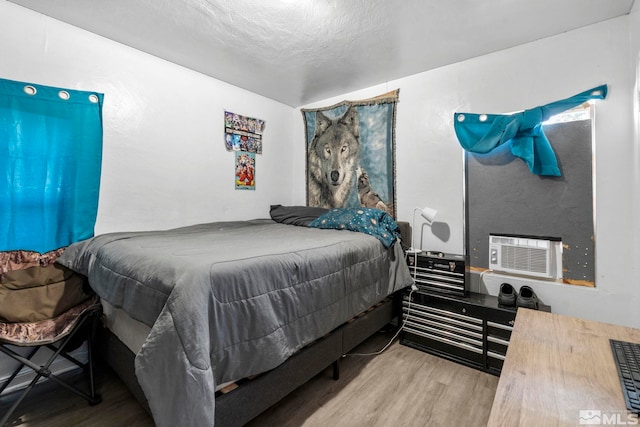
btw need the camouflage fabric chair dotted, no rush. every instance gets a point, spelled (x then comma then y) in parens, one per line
(61, 334)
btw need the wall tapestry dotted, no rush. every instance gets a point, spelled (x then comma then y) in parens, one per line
(245, 170)
(351, 153)
(243, 133)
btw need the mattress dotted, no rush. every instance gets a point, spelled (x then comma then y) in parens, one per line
(130, 331)
(229, 300)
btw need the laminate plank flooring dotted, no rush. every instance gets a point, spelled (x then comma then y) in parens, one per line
(49, 405)
(400, 387)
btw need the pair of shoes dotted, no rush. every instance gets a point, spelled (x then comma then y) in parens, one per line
(507, 295)
(525, 298)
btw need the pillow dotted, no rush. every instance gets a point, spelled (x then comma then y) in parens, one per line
(295, 215)
(374, 222)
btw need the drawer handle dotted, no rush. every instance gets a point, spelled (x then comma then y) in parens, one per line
(445, 340)
(440, 325)
(423, 270)
(429, 283)
(447, 313)
(500, 326)
(495, 355)
(447, 334)
(434, 278)
(441, 319)
(498, 341)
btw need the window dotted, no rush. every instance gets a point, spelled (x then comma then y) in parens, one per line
(504, 197)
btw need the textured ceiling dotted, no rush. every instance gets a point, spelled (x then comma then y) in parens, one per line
(297, 52)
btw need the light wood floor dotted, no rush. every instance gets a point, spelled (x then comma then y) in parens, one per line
(401, 387)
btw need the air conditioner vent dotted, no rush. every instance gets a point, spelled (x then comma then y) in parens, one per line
(524, 259)
(538, 257)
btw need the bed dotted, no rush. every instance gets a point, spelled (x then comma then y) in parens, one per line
(214, 303)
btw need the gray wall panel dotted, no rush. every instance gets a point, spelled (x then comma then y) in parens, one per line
(504, 197)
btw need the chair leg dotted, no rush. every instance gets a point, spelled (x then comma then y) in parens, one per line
(44, 371)
(92, 385)
(6, 416)
(17, 371)
(23, 360)
(20, 399)
(93, 399)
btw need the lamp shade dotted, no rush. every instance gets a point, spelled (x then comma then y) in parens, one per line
(428, 213)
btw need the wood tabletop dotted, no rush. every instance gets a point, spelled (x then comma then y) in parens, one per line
(557, 366)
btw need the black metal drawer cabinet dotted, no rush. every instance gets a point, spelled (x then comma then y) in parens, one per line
(439, 272)
(498, 334)
(454, 331)
(473, 329)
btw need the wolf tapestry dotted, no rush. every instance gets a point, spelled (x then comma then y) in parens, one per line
(351, 154)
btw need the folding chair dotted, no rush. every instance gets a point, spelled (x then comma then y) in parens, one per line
(61, 335)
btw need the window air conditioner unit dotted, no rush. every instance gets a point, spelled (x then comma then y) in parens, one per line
(526, 255)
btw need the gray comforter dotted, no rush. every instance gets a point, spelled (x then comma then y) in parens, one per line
(231, 299)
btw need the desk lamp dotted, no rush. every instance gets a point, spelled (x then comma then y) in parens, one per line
(428, 214)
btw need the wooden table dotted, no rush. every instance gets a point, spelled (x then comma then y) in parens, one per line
(557, 366)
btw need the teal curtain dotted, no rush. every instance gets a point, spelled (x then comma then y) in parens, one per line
(50, 162)
(481, 133)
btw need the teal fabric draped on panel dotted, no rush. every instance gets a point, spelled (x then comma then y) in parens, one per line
(481, 133)
(50, 162)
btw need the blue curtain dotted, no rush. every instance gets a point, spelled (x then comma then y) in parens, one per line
(50, 161)
(481, 133)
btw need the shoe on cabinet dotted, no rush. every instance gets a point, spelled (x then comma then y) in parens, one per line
(527, 298)
(507, 295)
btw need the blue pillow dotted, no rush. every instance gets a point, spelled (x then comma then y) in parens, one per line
(374, 222)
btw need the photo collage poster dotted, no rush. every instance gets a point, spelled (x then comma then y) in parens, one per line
(243, 135)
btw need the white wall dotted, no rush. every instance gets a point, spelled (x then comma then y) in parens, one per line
(164, 161)
(429, 163)
(165, 164)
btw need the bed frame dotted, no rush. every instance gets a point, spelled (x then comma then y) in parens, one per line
(252, 397)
